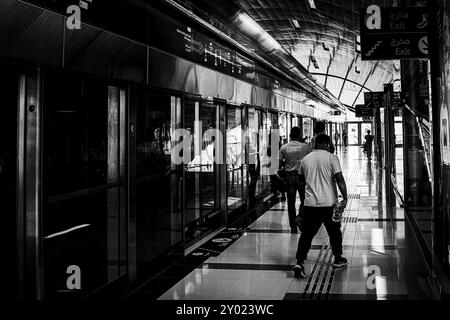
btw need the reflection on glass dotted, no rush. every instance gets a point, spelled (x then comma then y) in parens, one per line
(158, 189)
(192, 172)
(307, 129)
(253, 154)
(234, 158)
(81, 215)
(202, 204)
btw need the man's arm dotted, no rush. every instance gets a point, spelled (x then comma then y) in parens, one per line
(281, 159)
(302, 188)
(342, 186)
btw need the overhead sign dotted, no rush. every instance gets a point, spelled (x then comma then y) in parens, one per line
(375, 100)
(394, 33)
(397, 100)
(362, 110)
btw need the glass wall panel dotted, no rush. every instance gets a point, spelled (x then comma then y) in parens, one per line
(209, 199)
(235, 159)
(81, 218)
(192, 171)
(158, 182)
(253, 154)
(201, 173)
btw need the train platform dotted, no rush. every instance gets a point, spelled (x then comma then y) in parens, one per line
(384, 260)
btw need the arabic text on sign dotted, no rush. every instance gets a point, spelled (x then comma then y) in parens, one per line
(399, 16)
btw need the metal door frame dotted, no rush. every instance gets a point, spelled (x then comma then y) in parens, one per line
(29, 171)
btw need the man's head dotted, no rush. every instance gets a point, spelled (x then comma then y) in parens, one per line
(322, 142)
(368, 131)
(319, 127)
(295, 133)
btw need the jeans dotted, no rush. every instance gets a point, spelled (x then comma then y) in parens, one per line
(312, 220)
(293, 186)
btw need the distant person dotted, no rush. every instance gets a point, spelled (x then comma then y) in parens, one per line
(276, 185)
(320, 129)
(336, 138)
(344, 138)
(291, 154)
(320, 171)
(368, 144)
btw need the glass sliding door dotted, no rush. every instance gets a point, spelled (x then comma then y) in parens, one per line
(158, 181)
(9, 82)
(192, 170)
(265, 124)
(253, 158)
(209, 182)
(353, 134)
(203, 191)
(235, 158)
(83, 218)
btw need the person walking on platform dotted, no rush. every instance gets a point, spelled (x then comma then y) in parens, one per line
(320, 171)
(336, 138)
(290, 157)
(320, 129)
(275, 183)
(344, 138)
(368, 144)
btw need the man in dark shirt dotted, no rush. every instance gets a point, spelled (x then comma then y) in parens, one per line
(291, 154)
(368, 144)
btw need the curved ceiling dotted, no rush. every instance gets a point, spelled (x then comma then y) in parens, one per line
(325, 40)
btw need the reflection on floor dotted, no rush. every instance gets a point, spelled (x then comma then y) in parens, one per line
(384, 260)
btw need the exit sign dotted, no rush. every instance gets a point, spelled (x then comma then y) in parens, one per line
(394, 33)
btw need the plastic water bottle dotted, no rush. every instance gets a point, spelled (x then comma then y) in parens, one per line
(338, 209)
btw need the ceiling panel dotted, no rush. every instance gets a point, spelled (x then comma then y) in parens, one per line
(325, 42)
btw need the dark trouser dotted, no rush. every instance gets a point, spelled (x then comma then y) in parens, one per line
(293, 186)
(254, 174)
(369, 150)
(313, 219)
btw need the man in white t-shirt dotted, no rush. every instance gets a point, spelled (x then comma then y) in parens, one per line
(320, 171)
